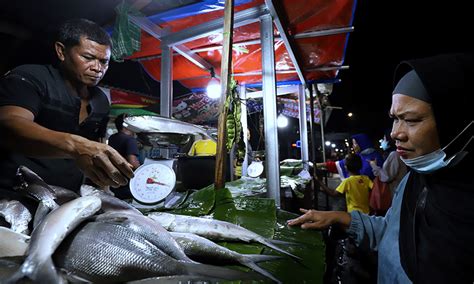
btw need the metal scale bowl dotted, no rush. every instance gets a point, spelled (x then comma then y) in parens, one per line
(155, 180)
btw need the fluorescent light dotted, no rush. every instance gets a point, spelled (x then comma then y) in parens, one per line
(282, 121)
(213, 89)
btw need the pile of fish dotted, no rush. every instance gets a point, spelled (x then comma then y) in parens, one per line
(95, 237)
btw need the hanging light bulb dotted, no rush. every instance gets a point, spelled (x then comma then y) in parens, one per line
(282, 121)
(213, 88)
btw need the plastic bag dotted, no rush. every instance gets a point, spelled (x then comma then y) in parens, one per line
(380, 197)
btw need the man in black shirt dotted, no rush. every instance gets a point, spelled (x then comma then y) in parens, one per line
(124, 142)
(50, 115)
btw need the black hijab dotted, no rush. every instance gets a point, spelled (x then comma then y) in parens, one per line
(437, 214)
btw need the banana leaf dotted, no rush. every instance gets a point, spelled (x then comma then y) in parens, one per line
(198, 203)
(309, 245)
(261, 216)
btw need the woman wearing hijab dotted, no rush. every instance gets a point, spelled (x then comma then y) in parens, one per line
(427, 235)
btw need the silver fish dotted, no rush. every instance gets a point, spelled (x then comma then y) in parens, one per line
(153, 124)
(63, 195)
(211, 229)
(122, 213)
(16, 214)
(36, 188)
(12, 243)
(38, 265)
(102, 252)
(181, 279)
(206, 251)
(8, 266)
(109, 202)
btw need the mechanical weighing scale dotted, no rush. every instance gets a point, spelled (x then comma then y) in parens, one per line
(152, 183)
(155, 180)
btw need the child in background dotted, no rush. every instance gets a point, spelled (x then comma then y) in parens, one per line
(356, 187)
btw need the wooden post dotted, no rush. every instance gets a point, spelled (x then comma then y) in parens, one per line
(226, 68)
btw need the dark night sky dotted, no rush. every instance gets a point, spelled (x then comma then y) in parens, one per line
(386, 32)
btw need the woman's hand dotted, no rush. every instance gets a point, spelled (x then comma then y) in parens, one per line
(313, 219)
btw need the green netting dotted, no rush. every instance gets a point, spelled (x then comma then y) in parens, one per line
(126, 35)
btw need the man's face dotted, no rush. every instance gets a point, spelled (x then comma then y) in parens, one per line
(414, 127)
(85, 63)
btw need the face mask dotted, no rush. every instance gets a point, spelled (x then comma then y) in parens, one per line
(384, 144)
(435, 160)
(427, 163)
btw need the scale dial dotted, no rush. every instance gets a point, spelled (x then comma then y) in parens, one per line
(255, 169)
(152, 183)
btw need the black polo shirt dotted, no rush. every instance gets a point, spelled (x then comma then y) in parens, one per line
(41, 89)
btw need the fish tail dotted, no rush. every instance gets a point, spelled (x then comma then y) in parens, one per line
(279, 242)
(260, 270)
(37, 273)
(41, 212)
(270, 245)
(260, 257)
(211, 272)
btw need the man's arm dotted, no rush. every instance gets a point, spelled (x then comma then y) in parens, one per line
(101, 163)
(326, 189)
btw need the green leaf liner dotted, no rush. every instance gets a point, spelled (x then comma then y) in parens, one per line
(310, 247)
(198, 203)
(261, 216)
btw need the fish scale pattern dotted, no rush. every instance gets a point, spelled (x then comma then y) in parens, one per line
(124, 255)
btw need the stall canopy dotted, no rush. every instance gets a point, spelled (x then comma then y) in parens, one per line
(310, 39)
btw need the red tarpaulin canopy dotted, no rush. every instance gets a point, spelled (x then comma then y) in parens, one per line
(301, 17)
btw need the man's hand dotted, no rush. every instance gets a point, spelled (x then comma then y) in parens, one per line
(321, 166)
(102, 163)
(373, 163)
(312, 219)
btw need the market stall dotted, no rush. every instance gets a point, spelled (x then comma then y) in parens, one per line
(258, 50)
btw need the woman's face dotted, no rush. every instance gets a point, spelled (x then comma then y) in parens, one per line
(414, 127)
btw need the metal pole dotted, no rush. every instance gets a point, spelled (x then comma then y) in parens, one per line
(303, 127)
(272, 163)
(166, 88)
(166, 83)
(243, 119)
(311, 126)
(321, 122)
